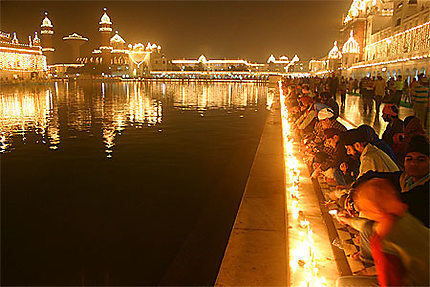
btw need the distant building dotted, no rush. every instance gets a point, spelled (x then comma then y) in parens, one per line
(117, 58)
(21, 61)
(203, 64)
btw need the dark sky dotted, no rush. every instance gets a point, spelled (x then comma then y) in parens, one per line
(186, 29)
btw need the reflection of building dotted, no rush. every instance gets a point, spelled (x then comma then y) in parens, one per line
(389, 38)
(23, 113)
(19, 60)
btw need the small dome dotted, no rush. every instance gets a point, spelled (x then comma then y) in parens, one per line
(105, 19)
(271, 59)
(351, 46)
(46, 22)
(334, 52)
(202, 59)
(117, 39)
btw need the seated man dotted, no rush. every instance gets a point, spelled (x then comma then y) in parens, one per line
(371, 157)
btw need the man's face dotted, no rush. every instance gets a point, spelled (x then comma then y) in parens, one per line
(333, 141)
(326, 123)
(359, 147)
(417, 164)
(350, 150)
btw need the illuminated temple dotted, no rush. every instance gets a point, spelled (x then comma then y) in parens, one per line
(21, 60)
(124, 59)
(377, 37)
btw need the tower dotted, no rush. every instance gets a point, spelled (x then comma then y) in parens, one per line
(75, 41)
(105, 29)
(46, 34)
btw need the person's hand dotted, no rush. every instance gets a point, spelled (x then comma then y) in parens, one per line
(344, 167)
(332, 195)
(343, 218)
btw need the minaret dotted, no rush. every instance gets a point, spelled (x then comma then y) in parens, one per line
(46, 34)
(105, 29)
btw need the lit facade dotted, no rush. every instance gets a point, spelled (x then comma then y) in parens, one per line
(391, 38)
(21, 61)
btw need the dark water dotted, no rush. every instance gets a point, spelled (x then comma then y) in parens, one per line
(123, 184)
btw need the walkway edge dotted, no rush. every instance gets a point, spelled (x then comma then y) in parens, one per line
(256, 253)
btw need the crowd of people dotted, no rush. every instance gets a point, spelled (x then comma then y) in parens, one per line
(382, 184)
(377, 90)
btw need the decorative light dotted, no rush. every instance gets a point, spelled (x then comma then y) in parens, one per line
(117, 38)
(75, 36)
(351, 46)
(414, 39)
(303, 254)
(334, 52)
(105, 20)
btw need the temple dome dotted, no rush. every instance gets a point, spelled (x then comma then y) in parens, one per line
(117, 39)
(105, 19)
(202, 59)
(334, 52)
(46, 22)
(271, 59)
(351, 46)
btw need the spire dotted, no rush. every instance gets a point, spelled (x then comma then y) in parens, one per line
(30, 43)
(15, 39)
(36, 40)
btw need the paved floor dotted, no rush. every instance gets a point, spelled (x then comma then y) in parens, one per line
(354, 116)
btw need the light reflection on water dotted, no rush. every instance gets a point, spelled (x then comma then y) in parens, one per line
(111, 107)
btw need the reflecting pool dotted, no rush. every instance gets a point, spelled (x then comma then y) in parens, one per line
(123, 183)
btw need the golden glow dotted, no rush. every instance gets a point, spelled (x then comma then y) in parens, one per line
(303, 255)
(415, 39)
(29, 112)
(22, 59)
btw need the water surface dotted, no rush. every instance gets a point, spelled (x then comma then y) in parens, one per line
(123, 183)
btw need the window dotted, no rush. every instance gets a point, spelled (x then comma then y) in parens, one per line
(398, 22)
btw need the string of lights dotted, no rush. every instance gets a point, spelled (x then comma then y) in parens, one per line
(303, 253)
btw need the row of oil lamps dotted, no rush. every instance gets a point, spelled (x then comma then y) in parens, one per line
(303, 255)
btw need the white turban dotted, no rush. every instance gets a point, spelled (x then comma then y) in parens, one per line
(325, 114)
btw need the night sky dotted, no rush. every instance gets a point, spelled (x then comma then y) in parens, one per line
(234, 29)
